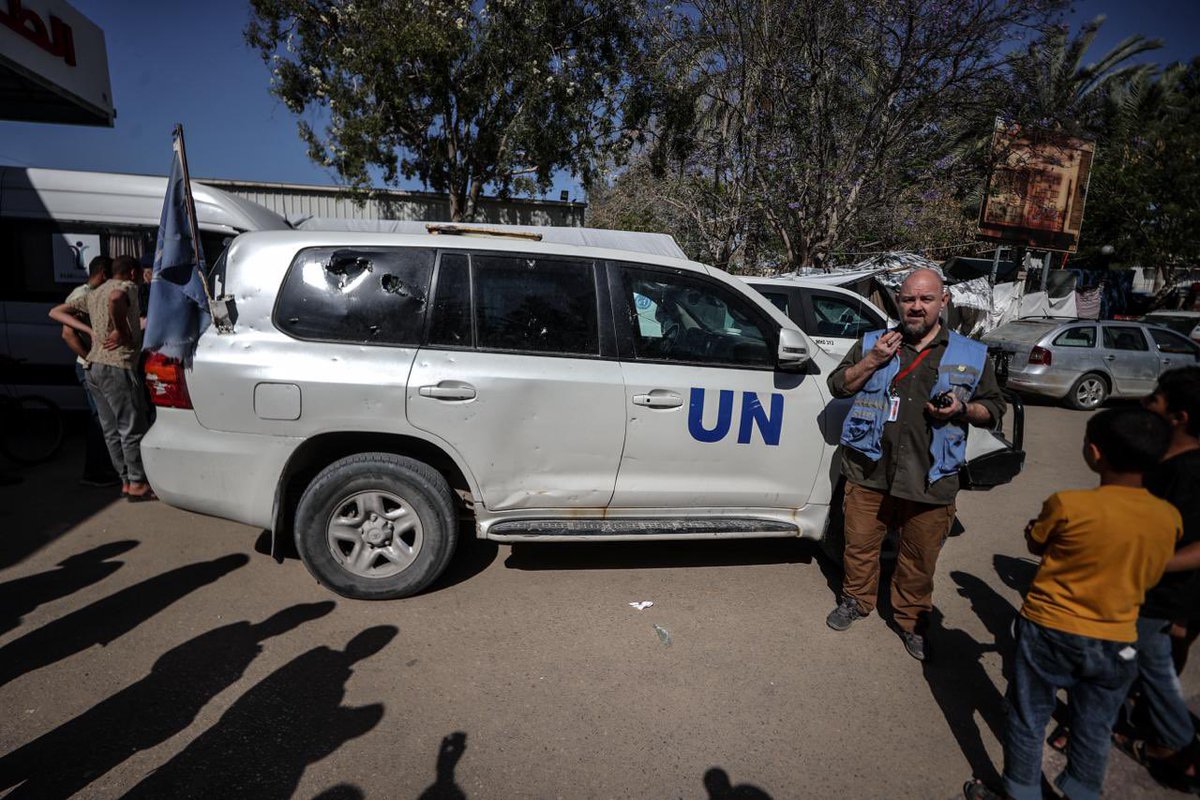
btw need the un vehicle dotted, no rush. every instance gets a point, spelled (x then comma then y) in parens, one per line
(377, 388)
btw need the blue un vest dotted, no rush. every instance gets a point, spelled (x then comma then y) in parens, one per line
(961, 366)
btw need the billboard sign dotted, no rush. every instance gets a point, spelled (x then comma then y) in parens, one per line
(53, 65)
(1037, 187)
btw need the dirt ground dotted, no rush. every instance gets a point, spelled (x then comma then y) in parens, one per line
(149, 652)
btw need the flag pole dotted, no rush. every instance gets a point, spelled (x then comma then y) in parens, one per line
(191, 211)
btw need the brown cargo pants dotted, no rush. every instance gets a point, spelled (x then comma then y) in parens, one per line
(923, 530)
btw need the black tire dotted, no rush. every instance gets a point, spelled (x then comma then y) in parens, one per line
(359, 486)
(33, 431)
(1088, 392)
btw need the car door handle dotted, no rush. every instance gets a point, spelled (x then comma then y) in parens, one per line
(658, 398)
(448, 390)
(1110, 358)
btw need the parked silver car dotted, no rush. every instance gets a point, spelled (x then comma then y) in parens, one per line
(1084, 361)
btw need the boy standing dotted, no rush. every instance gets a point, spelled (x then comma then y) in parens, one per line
(112, 375)
(1101, 549)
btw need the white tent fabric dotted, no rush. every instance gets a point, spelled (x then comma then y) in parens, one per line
(659, 244)
(1040, 304)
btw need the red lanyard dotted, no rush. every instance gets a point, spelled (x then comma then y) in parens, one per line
(904, 372)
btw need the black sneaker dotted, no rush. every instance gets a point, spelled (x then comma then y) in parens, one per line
(915, 644)
(845, 615)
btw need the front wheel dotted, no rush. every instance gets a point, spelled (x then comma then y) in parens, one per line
(376, 526)
(1088, 392)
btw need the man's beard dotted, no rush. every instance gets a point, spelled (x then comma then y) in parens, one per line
(916, 327)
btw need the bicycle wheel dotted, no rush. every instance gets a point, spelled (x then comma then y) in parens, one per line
(33, 431)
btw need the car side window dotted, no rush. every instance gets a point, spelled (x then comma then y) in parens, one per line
(837, 316)
(680, 318)
(1076, 337)
(535, 305)
(450, 319)
(778, 299)
(368, 295)
(1169, 342)
(1122, 337)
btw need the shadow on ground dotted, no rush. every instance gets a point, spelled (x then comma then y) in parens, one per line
(293, 717)
(109, 618)
(48, 501)
(146, 713)
(20, 596)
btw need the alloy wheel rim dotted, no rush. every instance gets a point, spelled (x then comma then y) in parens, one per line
(374, 534)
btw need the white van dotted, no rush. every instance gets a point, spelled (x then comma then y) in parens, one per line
(52, 223)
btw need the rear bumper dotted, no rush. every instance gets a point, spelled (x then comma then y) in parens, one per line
(229, 475)
(1048, 384)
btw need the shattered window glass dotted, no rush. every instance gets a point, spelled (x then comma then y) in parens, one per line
(537, 305)
(370, 295)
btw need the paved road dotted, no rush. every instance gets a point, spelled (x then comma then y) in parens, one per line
(151, 652)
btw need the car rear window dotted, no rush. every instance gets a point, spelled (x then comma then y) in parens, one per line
(366, 295)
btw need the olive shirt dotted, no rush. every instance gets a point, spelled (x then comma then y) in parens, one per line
(903, 468)
(95, 305)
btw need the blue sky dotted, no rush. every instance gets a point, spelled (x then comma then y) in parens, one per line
(187, 62)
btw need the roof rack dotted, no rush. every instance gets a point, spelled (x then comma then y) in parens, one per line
(460, 230)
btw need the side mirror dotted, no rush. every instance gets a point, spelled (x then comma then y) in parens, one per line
(793, 349)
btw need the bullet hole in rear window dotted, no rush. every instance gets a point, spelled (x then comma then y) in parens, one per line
(375, 295)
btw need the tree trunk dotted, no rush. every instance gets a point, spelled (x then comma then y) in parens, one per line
(458, 203)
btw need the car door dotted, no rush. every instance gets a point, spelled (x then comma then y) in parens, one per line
(710, 422)
(517, 377)
(1133, 365)
(1173, 350)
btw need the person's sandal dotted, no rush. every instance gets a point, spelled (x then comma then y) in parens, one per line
(144, 497)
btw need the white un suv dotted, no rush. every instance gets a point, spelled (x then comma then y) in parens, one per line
(375, 386)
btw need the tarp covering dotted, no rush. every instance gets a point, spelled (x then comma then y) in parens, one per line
(659, 244)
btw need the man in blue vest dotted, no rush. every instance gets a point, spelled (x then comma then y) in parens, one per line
(915, 390)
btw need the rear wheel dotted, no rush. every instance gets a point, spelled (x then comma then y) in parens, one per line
(376, 526)
(1088, 392)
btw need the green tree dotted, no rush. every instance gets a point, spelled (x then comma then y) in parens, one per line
(458, 94)
(1144, 196)
(793, 117)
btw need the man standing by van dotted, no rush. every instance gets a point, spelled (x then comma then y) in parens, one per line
(915, 389)
(97, 467)
(112, 375)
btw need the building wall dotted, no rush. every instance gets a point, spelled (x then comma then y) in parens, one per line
(297, 201)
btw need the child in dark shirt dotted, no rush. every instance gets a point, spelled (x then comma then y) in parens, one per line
(1170, 751)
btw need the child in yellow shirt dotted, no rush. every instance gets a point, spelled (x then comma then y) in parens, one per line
(1101, 549)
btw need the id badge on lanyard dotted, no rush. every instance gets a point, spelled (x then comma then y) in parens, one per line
(893, 398)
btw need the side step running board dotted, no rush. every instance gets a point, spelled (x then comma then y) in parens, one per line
(650, 528)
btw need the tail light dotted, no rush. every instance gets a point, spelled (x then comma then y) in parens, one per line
(164, 378)
(1040, 355)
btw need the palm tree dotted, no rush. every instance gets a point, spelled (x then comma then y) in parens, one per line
(1053, 87)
